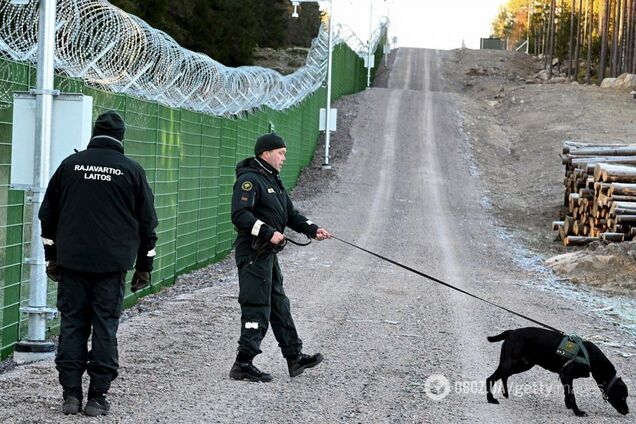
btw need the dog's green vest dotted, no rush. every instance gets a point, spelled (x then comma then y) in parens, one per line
(571, 347)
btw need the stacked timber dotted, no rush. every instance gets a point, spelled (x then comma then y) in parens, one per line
(600, 193)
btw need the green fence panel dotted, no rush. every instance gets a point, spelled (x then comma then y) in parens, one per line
(11, 270)
(226, 183)
(13, 77)
(189, 191)
(294, 151)
(210, 182)
(166, 190)
(245, 137)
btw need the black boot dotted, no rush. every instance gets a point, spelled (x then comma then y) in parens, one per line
(247, 371)
(96, 406)
(297, 366)
(71, 405)
(72, 400)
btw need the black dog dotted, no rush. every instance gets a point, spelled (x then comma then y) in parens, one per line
(526, 347)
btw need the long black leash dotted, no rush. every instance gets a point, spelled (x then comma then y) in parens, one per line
(438, 281)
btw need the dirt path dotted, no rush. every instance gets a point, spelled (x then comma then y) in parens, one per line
(407, 191)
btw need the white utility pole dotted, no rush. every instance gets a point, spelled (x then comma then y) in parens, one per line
(295, 3)
(326, 164)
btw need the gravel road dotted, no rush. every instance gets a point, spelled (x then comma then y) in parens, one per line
(405, 191)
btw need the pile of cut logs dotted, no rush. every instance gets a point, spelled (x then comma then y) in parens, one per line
(600, 193)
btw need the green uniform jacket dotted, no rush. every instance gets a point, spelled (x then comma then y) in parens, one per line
(261, 206)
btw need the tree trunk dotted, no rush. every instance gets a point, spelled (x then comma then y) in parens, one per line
(624, 150)
(629, 28)
(551, 39)
(613, 237)
(632, 44)
(570, 144)
(623, 198)
(616, 15)
(571, 42)
(589, 168)
(625, 219)
(622, 37)
(604, 34)
(544, 38)
(568, 225)
(577, 49)
(581, 162)
(588, 70)
(614, 173)
(622, 205)
(578, 240)
(622, 189)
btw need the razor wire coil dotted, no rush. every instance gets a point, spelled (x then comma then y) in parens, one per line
(115, 51)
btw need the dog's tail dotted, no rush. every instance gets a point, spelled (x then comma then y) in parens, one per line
(499, 337)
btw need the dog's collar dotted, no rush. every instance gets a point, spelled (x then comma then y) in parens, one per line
(606, 390)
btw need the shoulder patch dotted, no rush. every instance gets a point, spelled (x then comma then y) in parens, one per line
(246, 186)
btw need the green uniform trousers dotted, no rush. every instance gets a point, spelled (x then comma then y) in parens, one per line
(89, 303)
(263, 301)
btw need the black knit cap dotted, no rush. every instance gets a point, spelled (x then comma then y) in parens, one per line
(267, 142)
(111, 124)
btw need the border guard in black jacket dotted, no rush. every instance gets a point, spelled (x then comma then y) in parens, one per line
(261, 209)
(97, 216)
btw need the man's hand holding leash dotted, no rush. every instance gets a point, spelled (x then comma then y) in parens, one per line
(277, 238)
(322, 234)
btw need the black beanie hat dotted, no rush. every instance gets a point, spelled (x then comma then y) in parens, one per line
(111, 124)
(267, 142)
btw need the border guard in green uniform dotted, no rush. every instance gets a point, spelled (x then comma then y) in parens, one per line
(261, 209)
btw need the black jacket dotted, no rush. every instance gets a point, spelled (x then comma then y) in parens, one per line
(260, 206)
(99, 211)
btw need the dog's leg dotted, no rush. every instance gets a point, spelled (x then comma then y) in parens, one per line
(516, 367)
(504, 390)
(490, 382)
(568, 391)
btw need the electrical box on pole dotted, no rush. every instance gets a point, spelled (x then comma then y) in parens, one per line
(333, 118)
(70, 130)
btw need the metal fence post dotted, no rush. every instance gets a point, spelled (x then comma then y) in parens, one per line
(36, 347)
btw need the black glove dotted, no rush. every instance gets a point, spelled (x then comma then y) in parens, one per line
(140, 280)
(53, 271)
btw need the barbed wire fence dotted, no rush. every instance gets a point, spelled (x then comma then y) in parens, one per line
(115, 51)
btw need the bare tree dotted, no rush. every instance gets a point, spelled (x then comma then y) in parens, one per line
(588, 70)
(546, 36)
(631, 38)
(616, 19)
(571, 41)
(577, 50)
(551, 39)
(622, 39)
(604, 34)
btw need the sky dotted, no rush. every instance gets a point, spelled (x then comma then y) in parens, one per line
(439, 24)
